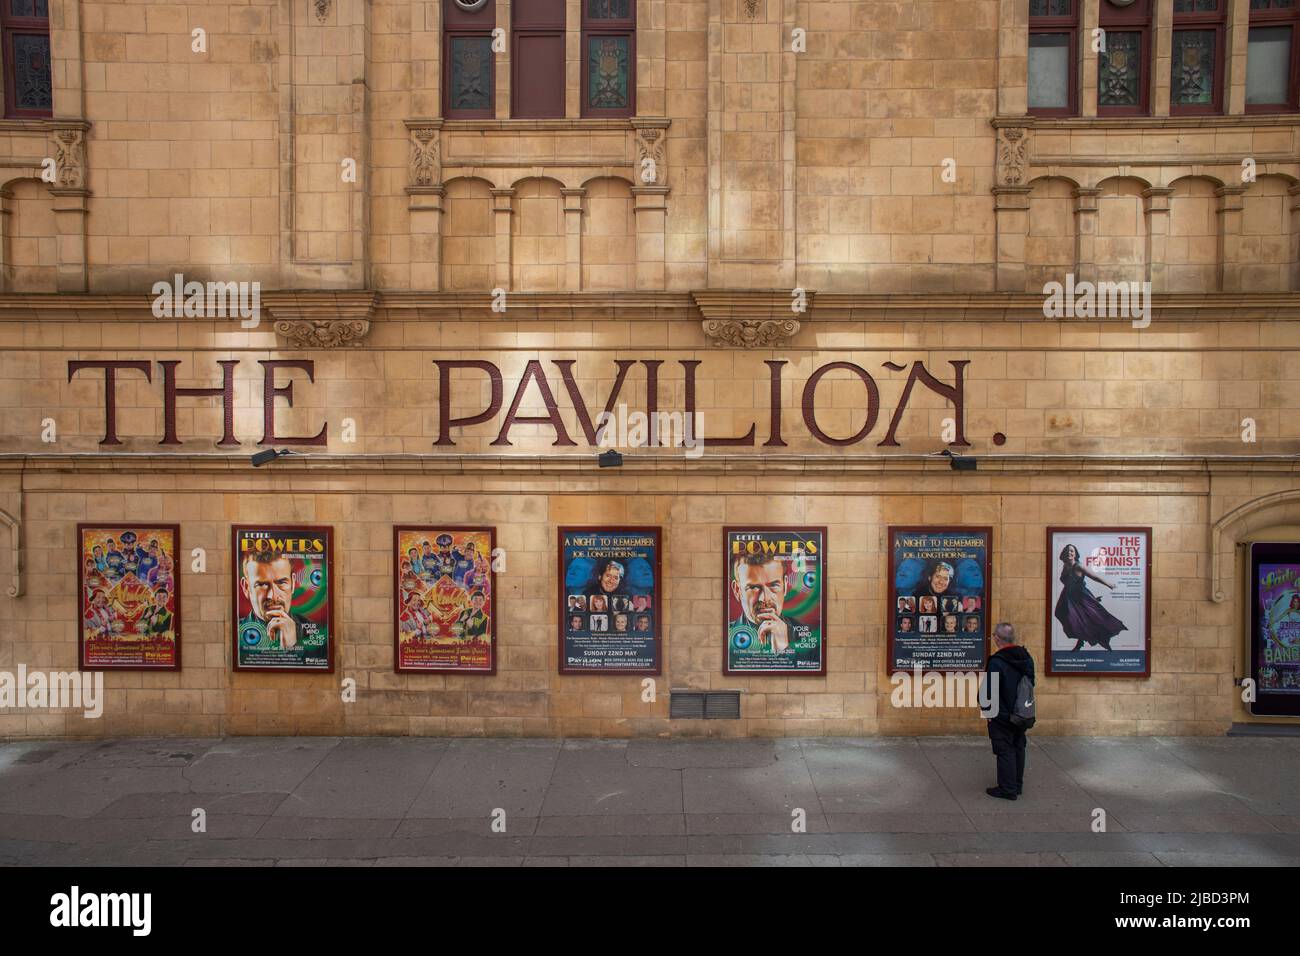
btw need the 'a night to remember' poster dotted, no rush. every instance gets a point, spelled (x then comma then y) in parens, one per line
(938, 598)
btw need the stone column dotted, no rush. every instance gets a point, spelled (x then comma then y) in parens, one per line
(424, 204)
(1162, 51)
(1234, 64)
(70, 206)
(1090, 16)
(1085, 233)
(1011, 203)
(573, 238)
(1155, 207)
(503, 208)
(651, 212)
(1293, 195)
(1229, 233)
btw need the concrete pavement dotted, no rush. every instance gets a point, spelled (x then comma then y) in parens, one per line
(431, 801)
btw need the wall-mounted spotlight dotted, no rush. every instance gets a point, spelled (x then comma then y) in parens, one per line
(610, 459)
(269, 455)
(960, 462)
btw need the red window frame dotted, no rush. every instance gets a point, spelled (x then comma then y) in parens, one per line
(457, 24)
(11, 26)
(594, 27)
(531, 21)
(1195, 21)
(1061, 24)
(1281, 16)
(1135, 18)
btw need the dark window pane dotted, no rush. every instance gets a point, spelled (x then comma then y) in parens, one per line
(1193, 79)
(1049, 70)
(1196, 6)
(609, 9)
(471, 73)
(540, 76)
(1050, 8)
(32, 86)
(607, 73)
(1272, 4)
(1268, 65)
(1119, 69)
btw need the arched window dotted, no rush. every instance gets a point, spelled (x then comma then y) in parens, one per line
(1272, 73)
(1196, 65)
(467, 62)
(608, 57)
(29, 90)
(1053, 57)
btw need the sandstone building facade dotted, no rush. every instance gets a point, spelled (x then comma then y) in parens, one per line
(701, 189)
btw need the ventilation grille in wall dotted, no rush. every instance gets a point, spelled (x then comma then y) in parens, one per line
(704, 705)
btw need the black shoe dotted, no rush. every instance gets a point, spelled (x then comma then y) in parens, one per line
(1000, 793)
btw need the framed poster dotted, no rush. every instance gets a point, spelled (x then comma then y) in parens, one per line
(283, 597)
(774, 600)
(1099, 601)
(130, 602)
(444, 593)
(938, 598)
(610, 602)
(1274, 600)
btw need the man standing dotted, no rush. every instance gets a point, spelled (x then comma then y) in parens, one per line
(1009, 662)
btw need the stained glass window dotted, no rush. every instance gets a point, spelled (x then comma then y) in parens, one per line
(1119, 70)
(1193, 66)
(609, 9)
(608, 57)
(471, 73)
(28, 82)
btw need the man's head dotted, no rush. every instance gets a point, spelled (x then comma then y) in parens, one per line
(478, 599)
(758, 582)
(1004, 635)
(940, 577)
(267, 582)
(904, 623)
(610, 575)
(160, 597)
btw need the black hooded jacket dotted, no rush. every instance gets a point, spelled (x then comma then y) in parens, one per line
(1009, 663)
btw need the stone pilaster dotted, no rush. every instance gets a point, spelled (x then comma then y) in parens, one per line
(573, 238)
(1085, 233)
(1155, 208)
(1229, 232)
(503, 207)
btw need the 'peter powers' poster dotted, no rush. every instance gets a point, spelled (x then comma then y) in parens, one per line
(610, 607)
(282, 598)
(775, 600)
(1275, 627)
(1097, 594)
(938, 598)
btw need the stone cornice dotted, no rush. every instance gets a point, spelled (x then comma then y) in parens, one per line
(300, 468)
(716, 304)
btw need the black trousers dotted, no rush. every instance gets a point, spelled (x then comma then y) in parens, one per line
(1009, 747)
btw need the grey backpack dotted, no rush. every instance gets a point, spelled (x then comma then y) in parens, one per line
(1022, 716)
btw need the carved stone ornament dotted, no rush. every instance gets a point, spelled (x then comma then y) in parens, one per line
(424, 156)
(70, 157)
(323, 9)
(751, 8)
(749, 333)
(1013, 148)
(322, 333)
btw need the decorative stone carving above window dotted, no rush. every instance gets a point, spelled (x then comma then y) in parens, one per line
(335, 321)
(426, 166)
(322, 9)
(1013, 154)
